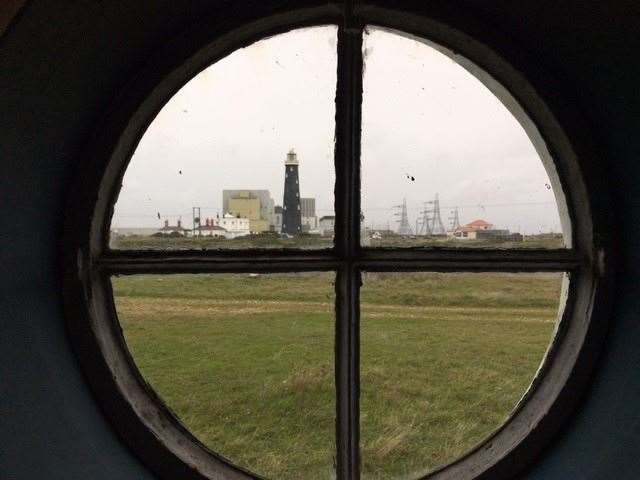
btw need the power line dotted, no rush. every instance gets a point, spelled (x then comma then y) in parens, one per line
(328, 210)
(478, 205)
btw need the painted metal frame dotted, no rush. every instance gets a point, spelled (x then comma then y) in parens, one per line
(139, 415)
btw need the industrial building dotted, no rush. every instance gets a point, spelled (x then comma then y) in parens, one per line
(246, 204)
(256, 205)
(309, 219)
(308, 207)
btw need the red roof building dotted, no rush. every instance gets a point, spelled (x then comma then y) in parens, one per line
(479, 225)
(469, 231)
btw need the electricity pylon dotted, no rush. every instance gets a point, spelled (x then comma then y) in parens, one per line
(454, 220)
(437, 228)
(426, 220)
(404, 228)
(431, 223)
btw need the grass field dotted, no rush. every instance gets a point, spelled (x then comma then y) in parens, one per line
(135, 242)
(246, 362)
(529, 242)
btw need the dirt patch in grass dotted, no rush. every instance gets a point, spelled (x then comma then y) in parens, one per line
(214, 308)
(144, 306)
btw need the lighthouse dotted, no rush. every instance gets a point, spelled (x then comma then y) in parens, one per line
(291, 214)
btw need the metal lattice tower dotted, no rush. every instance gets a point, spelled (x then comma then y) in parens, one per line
(404, 228)
(426, 220)
(431, 222)
(437, 227)
(454, 220)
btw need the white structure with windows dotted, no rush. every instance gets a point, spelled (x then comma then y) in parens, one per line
(233, 226)
(326, 225)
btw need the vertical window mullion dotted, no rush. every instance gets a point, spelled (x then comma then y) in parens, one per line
(347, 238)
(348, 372)
(348, 121)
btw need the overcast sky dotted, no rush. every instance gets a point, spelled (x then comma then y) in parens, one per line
(429, 127)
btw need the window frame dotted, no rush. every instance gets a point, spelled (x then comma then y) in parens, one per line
(139, 415)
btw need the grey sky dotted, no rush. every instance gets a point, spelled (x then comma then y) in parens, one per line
(423, 116)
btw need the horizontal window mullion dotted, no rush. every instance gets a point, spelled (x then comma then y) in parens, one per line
(470, 260)
(373, 260)
(205, 262)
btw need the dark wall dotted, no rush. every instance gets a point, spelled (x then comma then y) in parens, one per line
(62, 63)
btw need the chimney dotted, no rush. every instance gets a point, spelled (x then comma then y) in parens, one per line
(179, 222)
(166, 223)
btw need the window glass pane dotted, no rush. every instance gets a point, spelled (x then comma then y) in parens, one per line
(445, 359)
(245, 361)
(242, 156)
(444, 163)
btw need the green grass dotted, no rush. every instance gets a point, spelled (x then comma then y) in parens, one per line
(246, 362)
(530, 242)
(136, 242)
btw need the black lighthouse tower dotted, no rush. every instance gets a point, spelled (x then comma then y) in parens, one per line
(291, 214)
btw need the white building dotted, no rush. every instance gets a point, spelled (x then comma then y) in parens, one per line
(309, 224)
(233, 226)
(326, 225)
(211, 230)
(277, 218)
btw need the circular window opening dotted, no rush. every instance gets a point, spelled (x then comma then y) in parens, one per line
(337, 252)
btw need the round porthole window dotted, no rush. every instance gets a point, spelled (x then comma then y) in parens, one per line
(334, 243)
